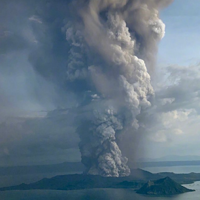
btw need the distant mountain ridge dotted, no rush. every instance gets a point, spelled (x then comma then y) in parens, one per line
(78, 167)
(171, 158)
(83, 181)
(65, 167)
(136, 180)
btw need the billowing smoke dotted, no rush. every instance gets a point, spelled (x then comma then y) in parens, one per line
(113, 44)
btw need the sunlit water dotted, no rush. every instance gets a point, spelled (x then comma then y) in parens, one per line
(102, 194)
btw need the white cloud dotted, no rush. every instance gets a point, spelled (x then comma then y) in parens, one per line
(172, 123)
(35, 19)
(160, 136)
(167, 101)
(170, 119)
(177, 131)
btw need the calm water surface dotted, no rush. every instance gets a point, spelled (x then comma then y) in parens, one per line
(95, 194)
(103, 194)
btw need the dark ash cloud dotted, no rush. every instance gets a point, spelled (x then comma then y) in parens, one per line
(93, 57)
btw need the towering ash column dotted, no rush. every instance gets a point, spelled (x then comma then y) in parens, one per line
(113, 50)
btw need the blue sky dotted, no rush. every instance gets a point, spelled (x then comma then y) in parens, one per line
(181, 44)
(177, 131)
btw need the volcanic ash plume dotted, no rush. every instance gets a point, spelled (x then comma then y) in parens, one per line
(113, 47)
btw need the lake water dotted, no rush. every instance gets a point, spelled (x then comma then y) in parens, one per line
(105, 194)
(95, 194)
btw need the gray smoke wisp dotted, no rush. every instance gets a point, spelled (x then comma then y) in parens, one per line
(113, 45)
